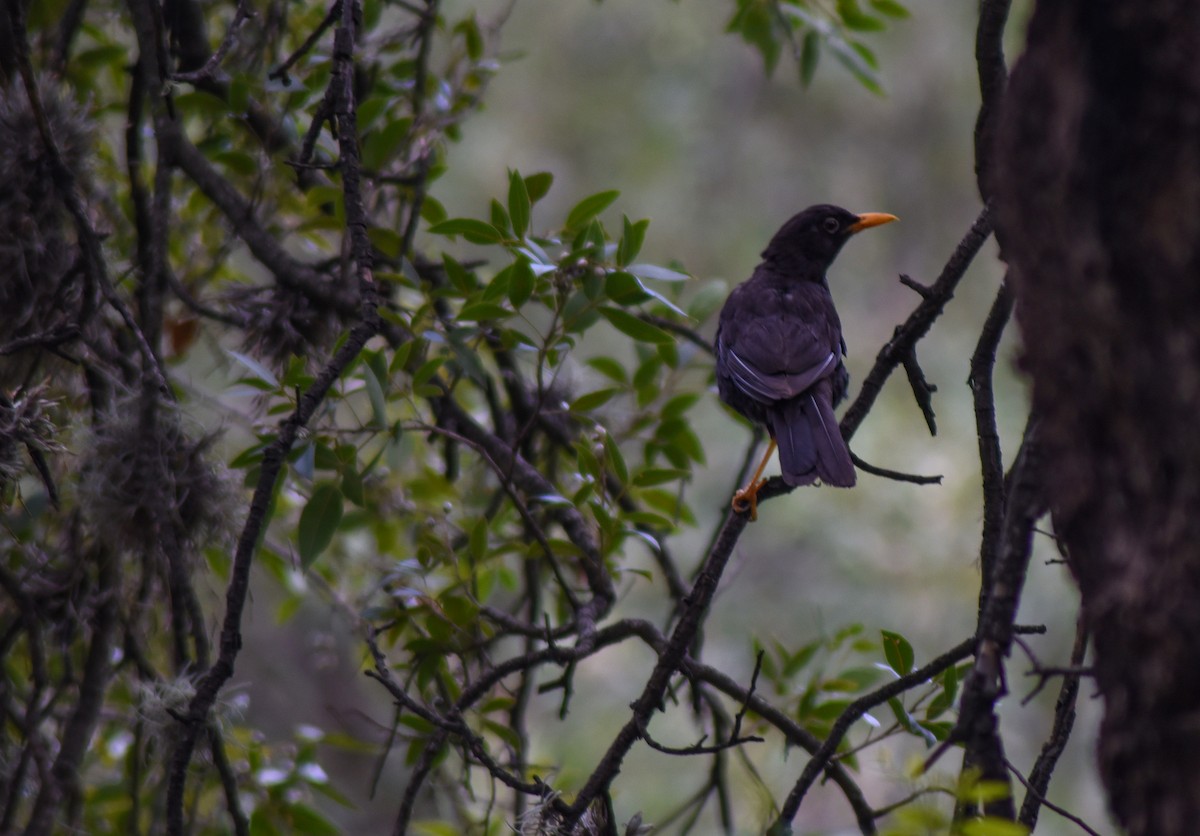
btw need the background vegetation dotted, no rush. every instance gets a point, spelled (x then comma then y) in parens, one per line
(195, 253)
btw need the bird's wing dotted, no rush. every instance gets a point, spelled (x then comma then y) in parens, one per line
(773, 360)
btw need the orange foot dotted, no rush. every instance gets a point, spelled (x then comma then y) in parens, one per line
(746, 500)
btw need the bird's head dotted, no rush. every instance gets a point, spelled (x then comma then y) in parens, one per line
(811, 240)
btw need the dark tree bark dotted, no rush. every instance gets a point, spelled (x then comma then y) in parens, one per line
(1097, 184)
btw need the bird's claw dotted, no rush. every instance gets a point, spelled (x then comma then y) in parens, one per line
(746, 499)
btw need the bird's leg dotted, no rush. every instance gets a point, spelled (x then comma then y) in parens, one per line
(747, 498)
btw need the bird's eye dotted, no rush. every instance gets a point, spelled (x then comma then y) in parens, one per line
(831, 225)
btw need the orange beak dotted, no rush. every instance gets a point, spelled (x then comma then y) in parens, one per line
(869, 219)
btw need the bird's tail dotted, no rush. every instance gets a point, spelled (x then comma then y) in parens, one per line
(810, 443)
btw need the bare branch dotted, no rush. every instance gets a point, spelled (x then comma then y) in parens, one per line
(918, 323)
(894, 475)
(1060, 731)
(240, 15)
(991, 463)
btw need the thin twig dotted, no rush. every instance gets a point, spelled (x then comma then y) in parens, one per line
(918, 323)
(1060, 732)
(241, 14)
(922, 389)
(280, 73)
(793, 731)
(820, 759)
(1041, 800)
(894, 475)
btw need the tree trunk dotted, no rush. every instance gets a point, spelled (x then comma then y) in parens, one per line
(1097, 184)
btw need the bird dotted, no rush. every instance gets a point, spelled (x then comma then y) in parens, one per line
(779, 351)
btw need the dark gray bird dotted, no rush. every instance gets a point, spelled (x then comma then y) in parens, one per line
(780, 347)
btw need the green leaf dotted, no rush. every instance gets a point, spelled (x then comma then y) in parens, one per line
(352, 486)
(505, 732)
(910, 725)
(950, 681)
(481, 311)
(500, 218)
(427, 370)
(202, 103)
(518, 204)
(497, 288)
(432, 210)
(797, 661)
(944, 700)
(92, 59)
(382, 144)
(387, 241)
(866, 54)
(679, 404)
(890, 8)
(478, 541)
(469, 28)
(653, 271)
(318, 522)
(632, 236)
(898, 652)
(436, 828)
(677, 435)
(755, 23)
(537, 185)
(627, 289)
(239, 162)
(853, 17)
(521, 282)
(852, 680)
(992, 826)
(375, 393)
(624, 288)
(304, 819)
(250, 456)
(708, 300)
(369, 110)
(852, 61)
(588, 208)
(260, 821)
(669, 503)
(616, 459)
(592, 400)
(830, 710)
(475, 231)
(610, 368)
(810, 53)
(631, 326)
(255, 368)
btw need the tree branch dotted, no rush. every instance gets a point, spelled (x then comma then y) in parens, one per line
(993, 75)
(983, 361)
(977, 722)
(821, 758)
(1060, 731)
(918, 323)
